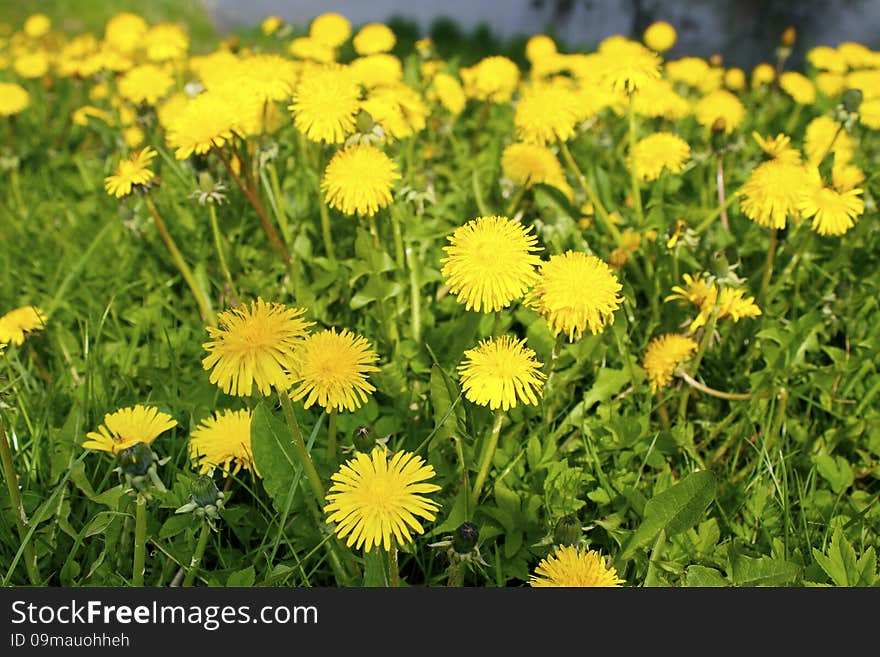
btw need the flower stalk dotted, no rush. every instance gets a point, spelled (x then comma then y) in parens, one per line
(140, 540)
(204, 534)
(21, 521)
(486, 460)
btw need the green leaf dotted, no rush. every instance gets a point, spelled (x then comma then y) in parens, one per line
(836, 470)
(274, 455)
(375, 570)
(244, 577)
(840, 563)
(608, 383)
(763, 571)
(675, 509)
(697, 575)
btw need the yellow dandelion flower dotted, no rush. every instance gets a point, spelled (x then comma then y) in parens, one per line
(762, 74)
(375, 500)
(531, 164)
(165, 41)
(490, 262)
(778, 147)
(868, 81)
(125, 31)
(448, 90)
(330, 29)
(660, 36)
(546, 113)
(576, 292)
(206, 121)
(374, 38)
(772, 191)
(658, 99)
(661, 150)
(696, 290)
(869, 112)
(826, 58)
(856, 55)
(32, 64)
(127, 427)
(689, 70)
(397, 108)
(254, 345)
(37, 26)
(625, 66)
(663, 355)
(17, 323)
(830, 84)
(130, 173)
(309, 49)
(146, 83)
(493, 79)
(798, 86)
(223, 441)
(272, 77)
(846, 176)
(824, 135)
(359, 179)
(832, 212)
(377, 69)
(133, 136)
(325, 104)
(538, 47)
(571, 566)
(722, 107)
(735, 305)
(81, 115)
(271, 24)
(13, 98)
(331, 369)
(735, 79)
(500, 373)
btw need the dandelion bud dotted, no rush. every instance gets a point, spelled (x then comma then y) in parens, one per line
(364, 122)
(618, 258)
(852, 100)
(567, 530)
(716, 59)
(135, 461)
(363, 439)
(719, 125)
(206, 182)
(465, 538)
(788, 37)
(206, 500)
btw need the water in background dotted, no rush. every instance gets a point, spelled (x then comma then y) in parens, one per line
(745, 31)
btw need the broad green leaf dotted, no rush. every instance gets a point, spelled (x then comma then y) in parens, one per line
(697, 575)
(841, 565)
(244, 577)
(836, 470)
(274, 455)
(675, 509)
(375, 568)
(763, 571)
(608, 383)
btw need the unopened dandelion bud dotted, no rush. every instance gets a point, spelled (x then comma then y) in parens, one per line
(136, 460)
(206, 500)
(363, 439)
(465, 538)
(206, 182)
(364, 122)
(567, 530)
(788, 37)
(852, 100)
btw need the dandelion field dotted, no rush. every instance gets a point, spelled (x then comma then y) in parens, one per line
(304, 308)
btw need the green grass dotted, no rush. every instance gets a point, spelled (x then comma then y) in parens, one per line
(779, 489)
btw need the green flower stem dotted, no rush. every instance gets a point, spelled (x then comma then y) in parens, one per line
(21, 521)
(398, 239)
(140, 540)
(331, 439)
(633, 175)
(486, 461)
(515, 201)
(301, 451)
(204, 534)
(549, 370)
(719, 184)
(768, 263)
(254, 199)
(201, 297)
(326, 233)
(793, 119)
(651, 578)
(716, 212)
(275, 189)
(478, 194)
(390, 326)
(694, 365)
(415, 303)
(598, 208)
(720, 394)
(218, 244)
(393, 567)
